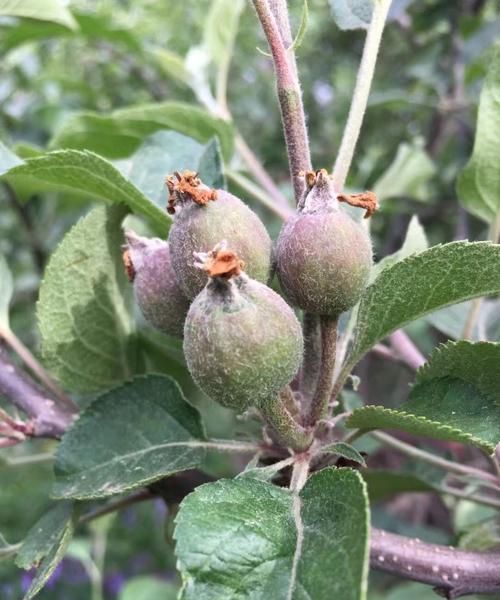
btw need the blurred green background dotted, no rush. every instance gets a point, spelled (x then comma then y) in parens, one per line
(417, 136)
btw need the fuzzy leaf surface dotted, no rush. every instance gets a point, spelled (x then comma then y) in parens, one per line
(248, 539)
(422, 283)
(456, 397)
(128, 438)
(89, 175)
(46, 544)
(84, 324)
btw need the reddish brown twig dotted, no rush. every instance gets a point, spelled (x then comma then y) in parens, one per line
(47, 418)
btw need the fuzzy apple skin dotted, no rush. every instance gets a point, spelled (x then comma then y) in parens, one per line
(242, 342)
(323, 261)
(159, 296)
(199, 228)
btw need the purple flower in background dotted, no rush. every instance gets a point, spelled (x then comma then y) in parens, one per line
(26, 580)
(74, 571)
(55, 577)
(129, 518)
(113, 584)
(160, 510)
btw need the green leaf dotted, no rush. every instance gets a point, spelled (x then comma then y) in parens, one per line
(412, 591)
(87, 174)
(27, 150)
(167, 151)
(44, 535)
(7, 550)
(415, 241)
(49, 10)
(443, 275)
(210, 166)
(452, 320)
(478, 186)
(28, 31)
(382, 484)
(119, 134)
(352, 14)
(344, 450)
(476, 363)
(90, 27)
(246, 538)
(95, 26)
(407, 175)
(357, 14)
(148, 588)
(221, 27)
(45, 545)
(83, 320)
(172, 65)
(128, 438)
(7, 159)
(6, 290)
(456, 397)
(266, 473)
(304, 20)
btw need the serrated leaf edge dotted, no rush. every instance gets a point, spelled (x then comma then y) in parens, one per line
(154, 212)
(377, 409)
(422, 373)
(354, 355)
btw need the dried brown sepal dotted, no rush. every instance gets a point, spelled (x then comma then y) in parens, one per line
(311, 177)
(187, 186)
(128, 264)
(222, 263)
(366, 200)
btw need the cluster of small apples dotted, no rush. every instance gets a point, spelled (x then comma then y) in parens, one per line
(208, 283)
